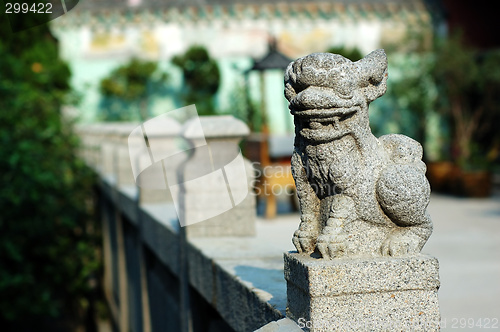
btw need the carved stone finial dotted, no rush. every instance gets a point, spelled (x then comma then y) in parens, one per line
(359, 195)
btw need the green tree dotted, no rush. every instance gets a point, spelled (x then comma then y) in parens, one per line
(201, 78)
(353, 54)
(411, 93)
(468, 84)
(127, 90)
(48, 239)
(243, 107)
(487, 134)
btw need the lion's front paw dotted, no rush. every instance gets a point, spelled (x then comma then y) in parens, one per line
(304, 238)
(401, 242)
(330, 247)
(331, 243)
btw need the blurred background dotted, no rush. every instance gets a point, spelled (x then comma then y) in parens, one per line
(131, 60)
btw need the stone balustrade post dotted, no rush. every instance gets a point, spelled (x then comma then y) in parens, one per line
(94, 134)
(122, 164)
(215, 186)
(106, 142)
(153, 156)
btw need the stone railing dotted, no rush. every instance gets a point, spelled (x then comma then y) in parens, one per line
(183, 250)
(196, 259)
(222, 274)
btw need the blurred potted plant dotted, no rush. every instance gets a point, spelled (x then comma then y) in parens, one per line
(468, 85)
(127, 90)
(201, 76)
(415, 92)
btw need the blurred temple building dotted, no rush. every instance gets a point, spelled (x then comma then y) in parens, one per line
(99, 35)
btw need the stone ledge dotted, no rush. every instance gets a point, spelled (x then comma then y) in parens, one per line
(221, 277)
(282, 325)
(247, 289)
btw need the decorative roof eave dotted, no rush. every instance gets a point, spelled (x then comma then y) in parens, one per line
(358, 10)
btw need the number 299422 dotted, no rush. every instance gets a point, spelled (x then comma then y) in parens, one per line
(35, 8)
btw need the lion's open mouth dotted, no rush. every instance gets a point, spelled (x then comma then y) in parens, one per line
(325, 118)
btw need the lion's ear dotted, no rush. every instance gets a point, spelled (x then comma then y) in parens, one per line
(372, 71)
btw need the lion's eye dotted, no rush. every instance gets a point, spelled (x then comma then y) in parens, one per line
(344, 91)
(345, 95)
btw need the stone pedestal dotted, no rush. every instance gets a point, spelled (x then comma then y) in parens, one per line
(216, 196)
(372, 294)
(162, 133)
(123, 167)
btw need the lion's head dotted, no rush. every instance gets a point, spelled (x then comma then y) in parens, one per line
(329, 94)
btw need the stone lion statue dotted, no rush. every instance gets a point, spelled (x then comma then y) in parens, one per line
(359, 195)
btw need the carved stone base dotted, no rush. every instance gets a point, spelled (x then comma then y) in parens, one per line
(371, 294)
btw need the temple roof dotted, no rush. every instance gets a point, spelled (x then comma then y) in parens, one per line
(112, 12)
(272, 60)
(188, 3)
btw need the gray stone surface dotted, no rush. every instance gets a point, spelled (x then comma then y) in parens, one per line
(155, 159)
(359, 195)
(160, 232)
(215, 126)
(123, 167)
(239, 278)
(282, 325)
(389, 294)
(153, 184)
(215, 188)
(108, 156)
(340, 277)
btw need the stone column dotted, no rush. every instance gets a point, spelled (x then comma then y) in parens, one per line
(123, 167)
(106, 142)
(163, 138)
(82, 131)
(94, 134)
(215, 189)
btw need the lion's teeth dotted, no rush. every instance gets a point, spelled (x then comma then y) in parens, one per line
(316, 125)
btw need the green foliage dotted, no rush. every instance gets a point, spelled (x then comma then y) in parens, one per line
(469, 88)
(47, 236)
(352, 54)
(411, 93)
(488, 134)
(244, 108)
(127, 90)
(457, 81)
(201, 78)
